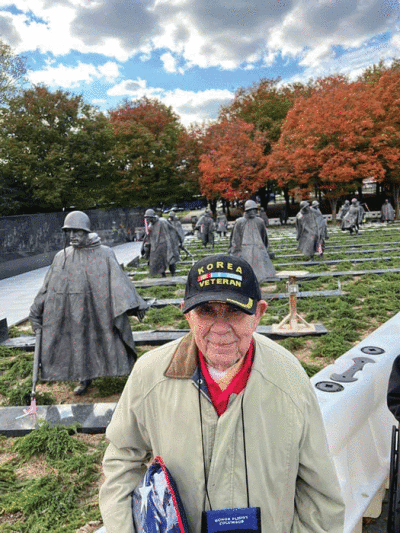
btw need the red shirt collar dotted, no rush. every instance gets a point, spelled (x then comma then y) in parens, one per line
(220, 398)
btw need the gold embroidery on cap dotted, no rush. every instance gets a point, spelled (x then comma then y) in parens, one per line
(246, 306)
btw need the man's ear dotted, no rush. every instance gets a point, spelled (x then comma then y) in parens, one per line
(261, 308)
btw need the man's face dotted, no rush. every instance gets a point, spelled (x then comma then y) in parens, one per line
(77, 237)
(222, 332)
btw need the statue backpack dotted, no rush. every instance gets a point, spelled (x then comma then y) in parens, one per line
(156, 505)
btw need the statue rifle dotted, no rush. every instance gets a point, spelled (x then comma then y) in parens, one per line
(32, 409)
(188, 254)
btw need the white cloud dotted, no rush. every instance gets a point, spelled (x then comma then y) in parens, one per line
(197, 106)
(170, 63)
(352, 63)
(110, 71)
(189, 105)
(395, 42)
(135, 89)
(99, 101)
(198, 32)
(69, 77)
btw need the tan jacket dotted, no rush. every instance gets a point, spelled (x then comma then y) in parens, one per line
(290, 473)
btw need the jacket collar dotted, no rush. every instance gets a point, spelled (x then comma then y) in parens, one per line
(185, 359)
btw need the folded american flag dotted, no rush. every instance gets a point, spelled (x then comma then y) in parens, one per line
(156, 505)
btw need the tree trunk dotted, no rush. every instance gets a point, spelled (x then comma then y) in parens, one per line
(287, 200)
(265, 194)
(396, 188)
(333, 204)
(225, 207)
(213, 206)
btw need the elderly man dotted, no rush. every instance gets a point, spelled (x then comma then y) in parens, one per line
(82, 310)
(160, 244)
(232, 414)
(249, 240)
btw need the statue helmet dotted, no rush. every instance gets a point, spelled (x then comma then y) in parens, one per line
(304, 203)
(250, 204)
(354, 201)
(149, 213)
(77, 220)
(315, 203)
(347, 201)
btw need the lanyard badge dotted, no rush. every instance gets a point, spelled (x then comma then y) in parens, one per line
(237, 519)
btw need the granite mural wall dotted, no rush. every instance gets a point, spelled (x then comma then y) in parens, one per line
(31, 241)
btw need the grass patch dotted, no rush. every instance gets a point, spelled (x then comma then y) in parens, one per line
(110, 385)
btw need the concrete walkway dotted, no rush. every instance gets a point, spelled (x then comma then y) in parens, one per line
(17, 293)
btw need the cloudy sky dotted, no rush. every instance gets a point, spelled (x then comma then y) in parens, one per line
(194, 54)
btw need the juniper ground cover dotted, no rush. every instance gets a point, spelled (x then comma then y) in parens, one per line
(49, 479)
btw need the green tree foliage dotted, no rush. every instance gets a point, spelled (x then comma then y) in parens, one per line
(147, 155)
(55, 153)
(190, 148)
(12, 72)
(265, 105)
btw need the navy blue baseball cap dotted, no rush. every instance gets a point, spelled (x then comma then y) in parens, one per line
(222, 278)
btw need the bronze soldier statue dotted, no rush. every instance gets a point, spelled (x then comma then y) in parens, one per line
(249, 240)
(82, 310)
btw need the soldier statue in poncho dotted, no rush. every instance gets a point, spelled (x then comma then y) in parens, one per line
(387, 212)
(311, 232)
(321, 223)
(160, 244)
(351, 220)
(82, 310)
(249, 240)
(343, 210)
(206, 227)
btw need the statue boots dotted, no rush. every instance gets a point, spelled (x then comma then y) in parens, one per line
(81, 388)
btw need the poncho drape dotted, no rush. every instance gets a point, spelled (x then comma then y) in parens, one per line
(249, 240)
(82, 308)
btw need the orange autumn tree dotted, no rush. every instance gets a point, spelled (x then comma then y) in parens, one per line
(265, 105)
(384, 88)
(233, 163)
(326, 141)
